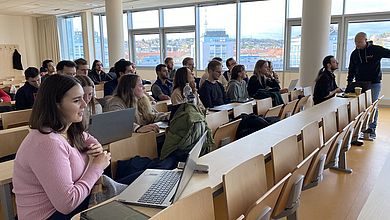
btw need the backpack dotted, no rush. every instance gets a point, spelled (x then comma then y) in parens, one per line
(252, 123)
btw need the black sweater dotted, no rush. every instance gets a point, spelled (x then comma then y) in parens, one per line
(365, 64)
(254, 84)
(25, 96)
(212, 94)
(325, 83)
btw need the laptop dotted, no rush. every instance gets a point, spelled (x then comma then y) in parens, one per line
(293, 84)
(161, 188)
(112, 126)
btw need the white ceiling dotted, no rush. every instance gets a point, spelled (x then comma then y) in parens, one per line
(60, 7)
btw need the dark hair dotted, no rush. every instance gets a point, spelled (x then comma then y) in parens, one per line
(120, 66)
(42, 69)
(125, 89)
(228, 60)
(159, 67)
(213, 65)
(258, 65)
(47, 117)
(325, 62)
(167, 60)
(31, 72)
(181, 78)
(186, 60)
(218, 59)
(46, 62)
(68, 63)
(236, 69)
(94, 64)
(80, 61)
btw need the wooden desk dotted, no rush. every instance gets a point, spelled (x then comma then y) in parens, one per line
(6, 170)
(230, 106)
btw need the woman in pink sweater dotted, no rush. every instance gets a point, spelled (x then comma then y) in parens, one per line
(57, 164)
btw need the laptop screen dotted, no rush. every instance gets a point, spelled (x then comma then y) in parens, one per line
(190, 166)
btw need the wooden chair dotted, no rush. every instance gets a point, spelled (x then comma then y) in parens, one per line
(15, 118)
(263, 105)
(353, 109)
(243, 185)
(357, 127)
(226, 133)
(11, 139)
(368, 97)
(285, 157)
(161, 107)
(342, 117)
(310, 138)
(99, 94)
(263, 207)
(197, 206)
(99, 87)
(295, 94)
(301, 104)
(288, 201)
(244, 108)
(329, 125)
(362, 102)
(216, 119)
(274, 111)
(288, 109)
(140, 144)
(285, 97)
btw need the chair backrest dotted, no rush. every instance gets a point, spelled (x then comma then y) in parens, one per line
(140, 144)
(285, 97)
(353, 109)
(368, 97)
(11, 139)
(243, 185)
(15, 118)
(295, 94)
(362, 102)
(161, 107)
(265, 204)
(197, 206)
(274, 111)
(216, 119)
(244, 108)
(263, 105)
(288, 200)
(301, 104)
(285, 157)
(99, 87)
(329, 125)
(334, 149)
(288, 109)
(226, 133)
(310, 138)
(342, 117)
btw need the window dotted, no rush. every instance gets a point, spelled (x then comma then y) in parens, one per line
(179, 46)
(145, 19)
(100, 39)
(364, 6)
(97, 37)
(71, 38)
(147, 49)
(179, 17)
(295, 7)
(265, 41)
(218, 31)
(126, 37)
(377, 31)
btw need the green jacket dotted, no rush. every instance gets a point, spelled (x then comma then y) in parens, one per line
(186, 128)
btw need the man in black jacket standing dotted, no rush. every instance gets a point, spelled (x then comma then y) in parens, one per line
(365, 66)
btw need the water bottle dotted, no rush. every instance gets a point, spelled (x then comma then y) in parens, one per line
(187, 93)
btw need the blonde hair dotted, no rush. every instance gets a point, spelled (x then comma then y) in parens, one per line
(144, 111)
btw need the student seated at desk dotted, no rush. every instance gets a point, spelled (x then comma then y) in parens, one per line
(130, 94)
(162, 87)
(97, 73)
(57, 164)
(93, 106)
(212, 92)
(25, 96)
(236, 89)
(182, 77)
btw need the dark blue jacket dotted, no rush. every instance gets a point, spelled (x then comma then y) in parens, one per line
(166, 88)
(110, 86)
(25, 96)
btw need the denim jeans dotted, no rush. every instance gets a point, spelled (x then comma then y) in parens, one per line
(375, 91)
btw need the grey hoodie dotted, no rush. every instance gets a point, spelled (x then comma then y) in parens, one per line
(237, 90)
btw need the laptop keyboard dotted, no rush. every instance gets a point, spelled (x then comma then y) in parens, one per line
(159, 190)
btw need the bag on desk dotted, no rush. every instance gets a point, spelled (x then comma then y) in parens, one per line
(105, 188)
(252, 123)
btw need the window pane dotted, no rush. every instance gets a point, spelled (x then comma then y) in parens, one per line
(295, 47)
(125, 37)
(295, 8)
(179, 17)
(378, 32)
(97, 37)
(265, 42)
(217, 33)
(71, 38)
(105, 43)
(364, 6)
(145, 19)
(147, 49)
(180, 45)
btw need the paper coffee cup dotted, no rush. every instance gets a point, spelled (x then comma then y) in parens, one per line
(358, 90)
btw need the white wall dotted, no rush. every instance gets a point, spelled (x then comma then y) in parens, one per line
(21, 30)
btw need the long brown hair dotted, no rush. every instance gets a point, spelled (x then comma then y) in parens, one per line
(181, 79)
(47, 117)
(86, 81)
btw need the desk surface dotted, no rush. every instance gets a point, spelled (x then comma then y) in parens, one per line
(6, 170)
(230, 106)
